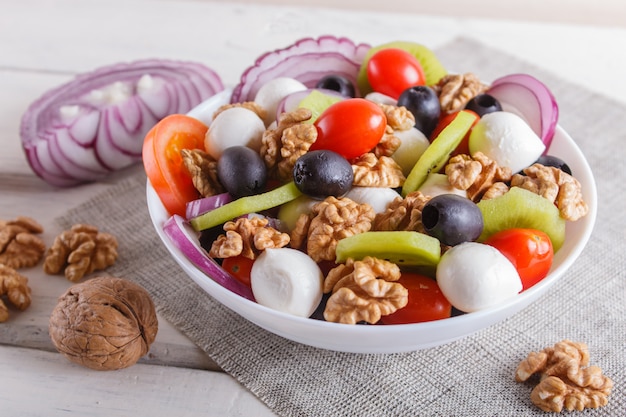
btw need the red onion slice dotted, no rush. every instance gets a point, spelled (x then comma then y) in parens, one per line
(531, 99)
(96, 123)
(184, 238)
(202, 205)
(307, 60)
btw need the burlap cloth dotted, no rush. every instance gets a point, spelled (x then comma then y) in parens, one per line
(471, 377)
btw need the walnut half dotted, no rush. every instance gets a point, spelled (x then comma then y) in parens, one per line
(363, 291)
(104, 323)
(15, 286)
(20, 247)
(566, 380)
(329, 221)
(79, 251)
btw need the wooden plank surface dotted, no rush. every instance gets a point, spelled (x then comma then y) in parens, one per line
(59, 388)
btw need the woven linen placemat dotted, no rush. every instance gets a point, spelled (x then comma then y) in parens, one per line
(470, 377)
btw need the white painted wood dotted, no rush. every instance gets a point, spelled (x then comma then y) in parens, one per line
(36, 383)
(44, 43)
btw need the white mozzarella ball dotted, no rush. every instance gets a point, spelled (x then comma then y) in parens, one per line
(236, 126)
(287, 280)
(437, 184)
(474, 276)
(377, 197)
(413, 144)
(272, 92)
(381, 98)
(507, 139)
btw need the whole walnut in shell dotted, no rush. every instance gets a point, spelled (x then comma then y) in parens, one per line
(104, 323)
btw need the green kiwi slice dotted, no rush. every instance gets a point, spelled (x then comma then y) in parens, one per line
(524, 209)
(246, 205)
(438, 152)
(433, 68)
(317, 102)
(404, 248)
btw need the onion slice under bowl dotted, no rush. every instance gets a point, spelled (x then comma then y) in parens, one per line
(531, 99)
(184, 238)
(307, 60)
(95, 124)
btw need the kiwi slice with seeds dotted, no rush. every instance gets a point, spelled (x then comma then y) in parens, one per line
(404, 248)
(520, 208)
(438, 152)
(317, 102)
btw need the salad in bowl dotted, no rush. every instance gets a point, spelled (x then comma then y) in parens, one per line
(366, 199)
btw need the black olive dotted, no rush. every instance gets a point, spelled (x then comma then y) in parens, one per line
(483, 104)
(423, 102)
(452, 219)
(323, 173)
(241, 171)
(337, 83)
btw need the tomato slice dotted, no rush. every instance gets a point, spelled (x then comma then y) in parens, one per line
(239, 267)
(529, 250)
(163, 161)
(426, 301)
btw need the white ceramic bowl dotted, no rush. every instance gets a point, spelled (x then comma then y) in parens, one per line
(404, 337)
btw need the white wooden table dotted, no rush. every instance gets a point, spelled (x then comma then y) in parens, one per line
(44, 43)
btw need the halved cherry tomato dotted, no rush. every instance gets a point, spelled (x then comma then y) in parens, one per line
(529, 250)
(163, 161)
(426, 301)
(350, 127)
(239, 267)
(390, 71)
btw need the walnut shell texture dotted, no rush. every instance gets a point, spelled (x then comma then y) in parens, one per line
(105, 323)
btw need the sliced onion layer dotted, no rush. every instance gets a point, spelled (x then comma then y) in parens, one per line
(202, 205)
(531, 99)
(307, 60)
(184, 238)
(95, 124)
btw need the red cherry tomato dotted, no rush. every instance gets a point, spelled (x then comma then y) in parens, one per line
(426, 302)
(390, 71)
(350, 127)
(444, 121)
(529, 250)
(239, 267)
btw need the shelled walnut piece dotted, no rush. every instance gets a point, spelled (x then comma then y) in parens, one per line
(363, 290)
(328, 221)
(203, 170)
(402, 214)
(479, 175)
(566, 380)
(15, 286)
(104, 323)
(20, 247)
(372, 171)
(79, 251)
(557, 186)
(247, 237)
(249, 105)
(283, 145)
(455, 90)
